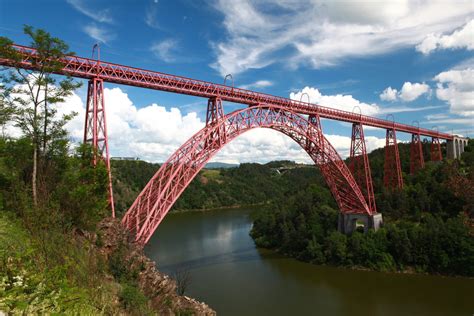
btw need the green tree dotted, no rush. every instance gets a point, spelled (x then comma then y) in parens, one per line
(336, 248)
(31, 93)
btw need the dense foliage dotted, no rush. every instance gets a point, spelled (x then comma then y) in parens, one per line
(51, 198)
(248, 184)
(427, 223)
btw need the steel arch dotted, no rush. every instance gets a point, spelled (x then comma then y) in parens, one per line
(165, 187)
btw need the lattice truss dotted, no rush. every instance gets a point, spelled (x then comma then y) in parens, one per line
(173, 177)
(359, 165)
(392, 177)
(417, 160)
(265, 111)
(95, 130)
(88, 68)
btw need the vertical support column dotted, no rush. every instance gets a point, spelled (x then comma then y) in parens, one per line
(316, 123)
(360, 167)
(451, 149)
(435, 151)
(95, 131)
(392, 177)
(417, 161)
(215, 113)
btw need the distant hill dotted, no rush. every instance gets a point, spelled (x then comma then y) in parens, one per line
(218, 185)
(220, 165)
(223, 185)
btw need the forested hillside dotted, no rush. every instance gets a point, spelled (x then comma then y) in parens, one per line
(248, 184)
(428, 225)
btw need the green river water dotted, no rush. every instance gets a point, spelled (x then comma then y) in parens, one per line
(235, 278)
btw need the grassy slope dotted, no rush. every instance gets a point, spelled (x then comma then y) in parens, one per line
(73, 283)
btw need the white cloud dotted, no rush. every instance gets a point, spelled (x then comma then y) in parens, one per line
(165, 50)
(102, 16)
(461, 38)
(408, 92)
(154, 132)
(452, 120)
(264, 145)
(456, 87)
(257, 84)
(338, 101)
(411, 91)
(98, 33)
(150, 16)
(343, 143)
(389, 94)
(437, 116)
(325, 33)
(403, 109)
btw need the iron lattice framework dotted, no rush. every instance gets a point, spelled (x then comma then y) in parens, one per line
(95, 130)
(267, 111)
(215, 113)
(417, 161)
(435, 151)
(360, 166)
(88, 68)
(173, 177)
(392, 177)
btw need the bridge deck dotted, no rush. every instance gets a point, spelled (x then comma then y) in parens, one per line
(87, 68)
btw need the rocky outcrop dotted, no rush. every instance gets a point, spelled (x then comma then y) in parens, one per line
(113, 240)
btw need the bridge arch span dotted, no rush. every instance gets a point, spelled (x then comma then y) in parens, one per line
(168, 183)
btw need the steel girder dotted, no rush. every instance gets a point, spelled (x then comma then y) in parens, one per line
(392, 177)
(95, 129)
(360, 166)
(165, 187)
(88, 68)
(417, 161)
(435, 152)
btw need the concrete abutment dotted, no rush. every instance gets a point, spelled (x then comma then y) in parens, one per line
(347, 223)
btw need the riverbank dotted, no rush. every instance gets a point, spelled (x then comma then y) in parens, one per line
(83, 273)
(394, 269)
(431, 245)
(228, 272)
(130, 265)
(222, 208)
(407, 270)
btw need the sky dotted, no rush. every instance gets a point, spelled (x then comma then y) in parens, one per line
(411, 61)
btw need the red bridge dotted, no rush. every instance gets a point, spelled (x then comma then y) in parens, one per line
(350, 185)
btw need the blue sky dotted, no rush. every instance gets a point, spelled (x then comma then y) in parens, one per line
(342, 53)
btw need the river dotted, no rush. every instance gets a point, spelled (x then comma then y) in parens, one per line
(235, 278)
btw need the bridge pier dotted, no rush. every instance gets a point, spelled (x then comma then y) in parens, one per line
(435, 151)
(417, 161)
(392, 176)
(360, 167)
(455, 147)
(347, 223)
(95, 130)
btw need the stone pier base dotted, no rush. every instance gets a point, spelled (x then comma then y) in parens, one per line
(455, 147)
(348, 222)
